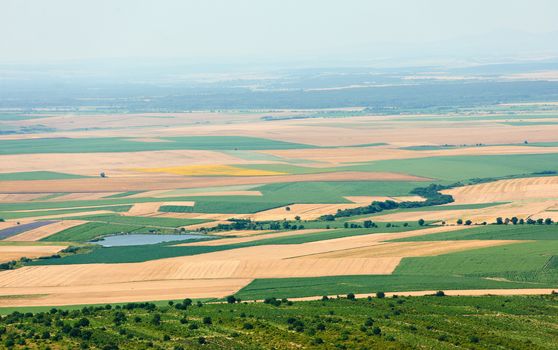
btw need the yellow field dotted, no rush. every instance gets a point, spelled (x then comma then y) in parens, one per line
(209, 170)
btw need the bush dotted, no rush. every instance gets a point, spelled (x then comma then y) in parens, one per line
(474, 339)
(440, 293)
(207, 320)
(248, 326)
(351, 296)
(380, 295)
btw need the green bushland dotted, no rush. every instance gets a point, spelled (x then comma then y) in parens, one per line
(140, 220)
(120, 144)
(431, 193)
(38, 175)
(403, 323)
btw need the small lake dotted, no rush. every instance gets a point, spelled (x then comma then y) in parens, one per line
(140, 239)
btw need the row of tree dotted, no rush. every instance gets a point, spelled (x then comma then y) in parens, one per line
(431, 194)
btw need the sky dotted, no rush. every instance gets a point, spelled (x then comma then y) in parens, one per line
(230, 30)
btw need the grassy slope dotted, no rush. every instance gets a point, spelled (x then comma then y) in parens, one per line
(403, 323)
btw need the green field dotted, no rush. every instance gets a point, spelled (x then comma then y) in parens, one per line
(490, 232)
(38, 175)
(459, 168)
(139, 220)
(119, 144)
(365, 284)
(91, 230)
(527, 261)
(402, 323)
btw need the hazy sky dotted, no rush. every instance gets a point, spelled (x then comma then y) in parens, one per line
(47, 30)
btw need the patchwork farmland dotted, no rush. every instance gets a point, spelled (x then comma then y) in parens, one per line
(256, 213)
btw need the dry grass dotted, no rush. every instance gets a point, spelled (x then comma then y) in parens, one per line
(16, 252)
(507, 190)
(209, 170)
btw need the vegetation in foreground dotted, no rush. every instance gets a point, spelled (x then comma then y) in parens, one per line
(396, 323)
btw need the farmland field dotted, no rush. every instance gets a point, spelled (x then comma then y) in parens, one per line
(288, 191)
(195, 175)
(285, 216)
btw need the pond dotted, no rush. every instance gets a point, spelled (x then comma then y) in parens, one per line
(143, 239)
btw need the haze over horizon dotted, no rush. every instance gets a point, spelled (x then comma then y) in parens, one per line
(276, 32)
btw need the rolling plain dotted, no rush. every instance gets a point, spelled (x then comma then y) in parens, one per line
(280, 205)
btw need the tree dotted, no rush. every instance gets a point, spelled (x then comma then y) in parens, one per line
(459, 221)
(499, 221)
(468, 223)
(380, 295)
(288, 208)
(156, 319)
(297, 218)
(351, 296)
(367, 223)
(231, 299)
(514, 220)
(548, 221)
(421, 222)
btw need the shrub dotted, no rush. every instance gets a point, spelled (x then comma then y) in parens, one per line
(351, 296)
(474, 339)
